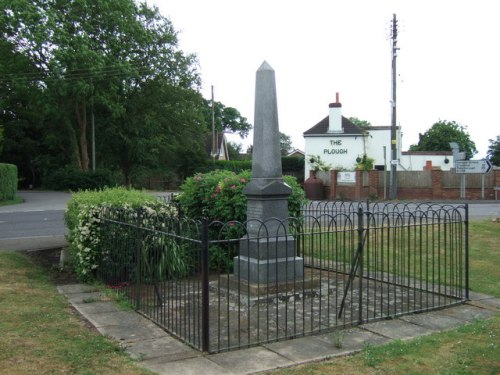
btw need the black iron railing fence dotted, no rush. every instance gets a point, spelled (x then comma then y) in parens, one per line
(362, 262)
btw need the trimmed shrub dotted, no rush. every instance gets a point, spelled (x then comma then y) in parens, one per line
(8, 182)
(75, 180)
(90, 247)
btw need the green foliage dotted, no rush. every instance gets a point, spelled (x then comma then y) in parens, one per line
(439, 136)
(90, 246)
(74, 180)
(117, 59)
(365, 163)
(363, 124)
(285, 144)
(1, 139)
(218, 196)
(226, 119)
(494, 151)
(8, 182)
(291, 164)
(236, 166)
(317, 164)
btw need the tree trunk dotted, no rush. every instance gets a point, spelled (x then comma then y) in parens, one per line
(81, 116)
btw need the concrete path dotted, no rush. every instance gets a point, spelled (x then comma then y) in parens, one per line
(157, 351)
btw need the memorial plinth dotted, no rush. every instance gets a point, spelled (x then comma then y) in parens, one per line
(267, 252)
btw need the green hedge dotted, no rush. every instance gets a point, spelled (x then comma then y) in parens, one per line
(8, 182)
(88, 245)
(289, 164)
(75, 180)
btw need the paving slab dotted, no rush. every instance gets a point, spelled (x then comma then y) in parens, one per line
(251, 360)
(76, 289)
(167, 347)
(354, 339)
(87, 297)
(305, 349)
(125, 318)
(397, 329)
(468, 312)
(144, 331)
(96, 307)
(191, 366)
(434, 320)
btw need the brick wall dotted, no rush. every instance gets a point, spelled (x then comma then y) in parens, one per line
(371, 186)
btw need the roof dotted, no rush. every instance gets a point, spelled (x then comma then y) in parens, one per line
(322, 128)
(296, 152)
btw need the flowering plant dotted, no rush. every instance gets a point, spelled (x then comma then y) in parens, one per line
(89, 244)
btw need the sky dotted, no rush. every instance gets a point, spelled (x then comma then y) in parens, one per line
(448, 65)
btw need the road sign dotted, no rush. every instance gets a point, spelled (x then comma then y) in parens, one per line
(473, 166)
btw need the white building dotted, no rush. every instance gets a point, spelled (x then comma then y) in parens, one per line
(340, 143)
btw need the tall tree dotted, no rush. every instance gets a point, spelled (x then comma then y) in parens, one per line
(226, 119)
(105, 57)
(285, 144)
(493, 153)
(439, 136)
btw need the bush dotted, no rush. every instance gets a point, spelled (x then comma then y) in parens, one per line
(291, 164)
(8, 182)
(89, 248)
(75, 180)
(218, 196)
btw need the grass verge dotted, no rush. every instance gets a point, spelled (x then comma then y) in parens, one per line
(16, 200)
(41, 334)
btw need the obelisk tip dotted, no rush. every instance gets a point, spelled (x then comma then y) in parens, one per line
(265, 66)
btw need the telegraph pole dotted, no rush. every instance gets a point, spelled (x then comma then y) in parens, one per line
(394, 150)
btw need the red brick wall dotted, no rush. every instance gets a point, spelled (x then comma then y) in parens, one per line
(434, 192)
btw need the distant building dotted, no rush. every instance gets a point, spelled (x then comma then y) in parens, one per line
(216, 146)
(296, 153)
(340, 143)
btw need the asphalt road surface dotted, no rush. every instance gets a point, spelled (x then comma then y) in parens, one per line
(38, 223)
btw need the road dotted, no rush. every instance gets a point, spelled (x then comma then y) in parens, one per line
(38, 223)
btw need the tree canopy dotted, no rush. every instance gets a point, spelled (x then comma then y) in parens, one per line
(493, 153)
(439, 136)
(360, 123)
(226, 119)
(65, 64)
(285, 144)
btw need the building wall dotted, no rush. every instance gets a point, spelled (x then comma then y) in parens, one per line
(341, 151)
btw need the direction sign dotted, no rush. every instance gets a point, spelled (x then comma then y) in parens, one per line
(473, 166)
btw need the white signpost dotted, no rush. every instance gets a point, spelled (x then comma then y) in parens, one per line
(473, 166)
(465, 167)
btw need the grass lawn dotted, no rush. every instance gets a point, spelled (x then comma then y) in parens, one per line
(16, 200)
(471, 349)
(41, 334)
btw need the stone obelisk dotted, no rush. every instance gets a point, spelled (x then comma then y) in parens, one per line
(267, 252)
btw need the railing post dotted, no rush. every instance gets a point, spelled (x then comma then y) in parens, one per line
(360, 265)
(138, 257)
(205, 323)
(466, 251)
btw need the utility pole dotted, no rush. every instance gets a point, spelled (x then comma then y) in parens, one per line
(92, 124)
(394, 150)
(214, 138)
